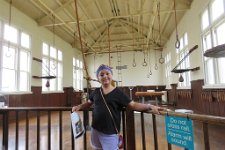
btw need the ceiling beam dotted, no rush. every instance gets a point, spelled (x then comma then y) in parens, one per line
(152, 20)
(41, 21)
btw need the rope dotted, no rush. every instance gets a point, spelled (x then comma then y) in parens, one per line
(177, 43)
(158, 10)
(81, 45)
(109, 44)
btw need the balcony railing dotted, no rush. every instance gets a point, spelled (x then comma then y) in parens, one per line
(58, 131)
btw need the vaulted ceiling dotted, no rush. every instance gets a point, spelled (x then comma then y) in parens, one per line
(108, 25)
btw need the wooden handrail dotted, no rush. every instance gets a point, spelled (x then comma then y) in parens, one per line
(149, 93)
(198, 117)
(205, 119)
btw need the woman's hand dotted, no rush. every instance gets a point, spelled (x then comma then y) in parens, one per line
(82, 106)
(155, 109)
(76, 108)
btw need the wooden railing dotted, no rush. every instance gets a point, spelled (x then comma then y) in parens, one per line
(37, 112)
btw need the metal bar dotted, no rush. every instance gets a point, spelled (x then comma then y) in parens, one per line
(169, 146)
(205, 118)
(143, 131)
(38, 130)
(49, 130)
(124, 130)
(72, 137)
(17, 130)
(206, 136)
(60, 130)
(5, 130)
(27, 130)
(189, 52)
(85, 133)
(155, 132)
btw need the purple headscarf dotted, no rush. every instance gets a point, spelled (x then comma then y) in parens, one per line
(103, 67)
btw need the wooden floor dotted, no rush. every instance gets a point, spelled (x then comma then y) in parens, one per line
(216, 134)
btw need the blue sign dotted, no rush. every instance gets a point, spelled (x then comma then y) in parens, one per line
(179, 132)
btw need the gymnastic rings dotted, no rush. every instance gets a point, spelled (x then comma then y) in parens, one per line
(177, 43)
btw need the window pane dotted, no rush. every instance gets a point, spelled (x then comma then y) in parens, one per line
(23, 81)
(24, 61)
(45, 67)
(74, 61)
(77, 64)
(44, 88)
(59, 83)
(45, 49)
(181, 43)
(221, 63)
(8, 80)
(10, 34)
(53, 67)
(207, 42)
(78, 84)
(59, 55)
(52, 84)
(9, 57)
(25, 40)
(81, 64)
(52, 52)
(221, 34)
(205, 20)
(185, 39)
(217, 9)
(59, 70)
(210, 71)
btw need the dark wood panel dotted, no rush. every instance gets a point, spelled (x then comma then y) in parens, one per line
(205, 101)
(38, 99)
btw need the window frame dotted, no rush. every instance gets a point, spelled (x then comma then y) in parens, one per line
(212, 76)
(181, 52)
(56, 84)
(17, 87)
(77, 74)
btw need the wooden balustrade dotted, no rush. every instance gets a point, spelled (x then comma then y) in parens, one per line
(48, 111)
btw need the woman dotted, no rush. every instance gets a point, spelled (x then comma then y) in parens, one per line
(103, 132)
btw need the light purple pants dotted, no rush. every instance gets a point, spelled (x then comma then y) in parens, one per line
(103, 141)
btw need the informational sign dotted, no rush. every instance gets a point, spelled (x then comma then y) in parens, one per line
(179, 132)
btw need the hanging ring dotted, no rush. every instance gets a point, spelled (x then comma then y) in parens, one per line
(177, 43)
(161, 60)
(144, 63)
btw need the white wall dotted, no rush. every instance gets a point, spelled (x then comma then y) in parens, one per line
(39, 35)
(190, 23)
(132, 75)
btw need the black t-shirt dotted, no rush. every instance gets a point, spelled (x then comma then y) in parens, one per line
(101, 119)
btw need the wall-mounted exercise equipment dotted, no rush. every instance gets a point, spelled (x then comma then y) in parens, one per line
(46, 68)
(175, 70)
